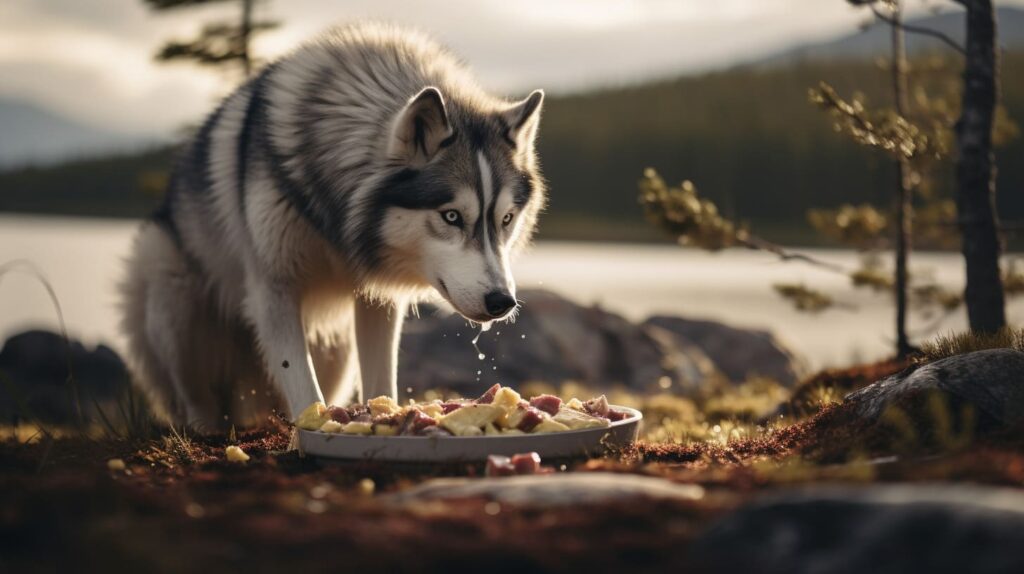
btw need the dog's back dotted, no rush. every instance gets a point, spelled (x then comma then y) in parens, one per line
(277, 210)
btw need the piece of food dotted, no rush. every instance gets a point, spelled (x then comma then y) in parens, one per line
(597, 406)
(488, 397)
(313, 417)
(470, 419)
(331, 426)
(576, 420)
(383, 406)
(116, 464)
(356, 427)
(550, 425)
(526, 463)
(498, 465)
(507, 399)
(339, 414)
(524, 419)
(236, 454)
(499, 411)
(547, 403)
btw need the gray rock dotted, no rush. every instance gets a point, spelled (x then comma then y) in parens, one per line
(553, 340)
(551, 489)
(992, 381)
(878, 529)
(737, 353)
(34, 365)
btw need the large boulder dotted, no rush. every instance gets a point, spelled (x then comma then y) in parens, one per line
(34, 366)
(992, 382)
(737, 353)
(892, 528)
(552, 340)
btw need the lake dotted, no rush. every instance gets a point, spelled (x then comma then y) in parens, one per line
(82, 258)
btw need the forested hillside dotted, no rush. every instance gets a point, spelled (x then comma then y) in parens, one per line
(747, 137)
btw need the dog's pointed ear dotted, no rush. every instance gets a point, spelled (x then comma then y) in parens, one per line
(523, 118)
(421, 129)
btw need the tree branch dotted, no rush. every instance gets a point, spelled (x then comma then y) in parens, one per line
(918, 30)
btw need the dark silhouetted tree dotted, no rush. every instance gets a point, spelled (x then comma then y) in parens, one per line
(976, 170)
(218, 43)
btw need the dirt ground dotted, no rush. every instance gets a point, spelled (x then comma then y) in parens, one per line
(179, 505)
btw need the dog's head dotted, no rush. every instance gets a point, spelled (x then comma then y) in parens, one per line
(464, 197)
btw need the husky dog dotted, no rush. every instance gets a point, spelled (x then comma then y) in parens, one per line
(355, 176)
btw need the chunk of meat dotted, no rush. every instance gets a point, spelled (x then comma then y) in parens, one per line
(530, 419)
(597, 406)
(488, 397)
(339, 414)
(526, 463)
(498, 465)
(547, 403)
(614, 415)
(450, 406)
(415, 422)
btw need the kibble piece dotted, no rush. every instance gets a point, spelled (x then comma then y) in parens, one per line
(498, 465)
(549, 425)
(385, 430)
(236, 454)
(526, 463)
(507, 399)
(116, 464)
(470, 419)
(579, 420)
(313, 417)
(382, 405)
(331, 426)
(547, 403)
(356, 427)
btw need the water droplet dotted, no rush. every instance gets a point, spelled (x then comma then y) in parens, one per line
(408, 389)
(665, 382)
(478, 373)
(481, 356)
(494, 368)
(523, 336)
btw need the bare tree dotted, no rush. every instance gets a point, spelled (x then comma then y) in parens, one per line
(218, 43)
(976, 171)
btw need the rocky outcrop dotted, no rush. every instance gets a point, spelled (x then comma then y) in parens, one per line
(555, 340)
(893, 528)
(737, 353)
(992, 382)
(34, 366)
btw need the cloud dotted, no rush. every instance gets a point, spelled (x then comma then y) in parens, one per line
(92, 59)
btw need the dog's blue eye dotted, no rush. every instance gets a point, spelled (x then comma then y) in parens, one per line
(507, 219)
(452, 217)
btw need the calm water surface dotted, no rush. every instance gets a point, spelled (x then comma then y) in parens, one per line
(83, 259)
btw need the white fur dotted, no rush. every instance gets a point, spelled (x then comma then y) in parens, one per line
(256, 307)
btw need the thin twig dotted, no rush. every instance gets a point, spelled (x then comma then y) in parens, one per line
(756, 243)
(919, 30)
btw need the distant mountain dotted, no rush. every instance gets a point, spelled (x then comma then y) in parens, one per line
(33, 135)
(874, 42)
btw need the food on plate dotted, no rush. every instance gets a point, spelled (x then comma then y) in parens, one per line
(499, 411)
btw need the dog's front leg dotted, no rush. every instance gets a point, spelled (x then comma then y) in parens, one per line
(378, 330)
(276, 314)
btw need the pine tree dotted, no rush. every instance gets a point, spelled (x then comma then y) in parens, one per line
(218, 43)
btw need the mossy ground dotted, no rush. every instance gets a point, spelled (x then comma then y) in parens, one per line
(180, 505)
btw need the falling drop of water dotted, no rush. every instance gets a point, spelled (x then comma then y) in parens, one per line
(484, 327)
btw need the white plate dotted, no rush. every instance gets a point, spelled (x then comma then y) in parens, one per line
(585, 442)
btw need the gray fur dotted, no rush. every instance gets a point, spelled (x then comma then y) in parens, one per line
(306, 214)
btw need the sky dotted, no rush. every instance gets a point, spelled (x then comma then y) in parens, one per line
(92, 60)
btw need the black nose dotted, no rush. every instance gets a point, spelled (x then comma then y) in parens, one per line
(498, 303)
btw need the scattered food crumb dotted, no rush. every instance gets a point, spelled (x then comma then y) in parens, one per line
(116, 464)
(236, 454)
(367, 486)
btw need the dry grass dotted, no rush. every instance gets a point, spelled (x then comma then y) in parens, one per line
(959, 343)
